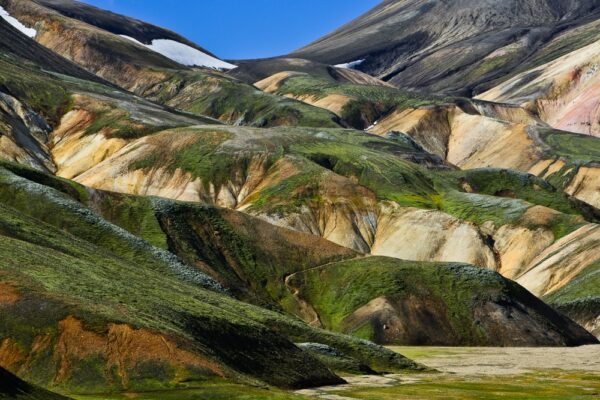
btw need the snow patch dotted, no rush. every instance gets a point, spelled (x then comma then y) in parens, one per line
(183, 54)
(351, 64)
(15, 22)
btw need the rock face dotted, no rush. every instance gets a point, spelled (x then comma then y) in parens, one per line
(449, 46)
(565, 92)
(24, 135)
(428, 304)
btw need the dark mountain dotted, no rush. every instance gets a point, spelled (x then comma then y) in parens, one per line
(449, 46)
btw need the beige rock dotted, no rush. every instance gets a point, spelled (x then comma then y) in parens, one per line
(425, 235)
(586, 185)
(558, 264)
(518, 246)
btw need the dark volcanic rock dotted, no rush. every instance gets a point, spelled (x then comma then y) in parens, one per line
(442, 45)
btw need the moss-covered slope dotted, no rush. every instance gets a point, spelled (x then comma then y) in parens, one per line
(86, 306)
(430, 304)
(579, 299)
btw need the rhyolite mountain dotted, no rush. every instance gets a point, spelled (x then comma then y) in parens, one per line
(168, 226)
(450, 46)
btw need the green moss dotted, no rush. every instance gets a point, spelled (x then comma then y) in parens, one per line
(39, 90)
(582, 287)
(368, 102)
(200, 158)
(238, 103)
(339, 289)
(135, 214)
(575, 147)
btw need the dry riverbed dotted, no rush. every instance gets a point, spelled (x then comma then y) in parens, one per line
(465, 373)
(482, 373)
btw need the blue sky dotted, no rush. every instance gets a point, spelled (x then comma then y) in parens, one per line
(238, 29)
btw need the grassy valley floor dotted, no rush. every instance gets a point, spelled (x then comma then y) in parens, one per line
(464, 373)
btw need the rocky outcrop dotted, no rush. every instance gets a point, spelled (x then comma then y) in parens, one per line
(451, 47)
(24, 135)
(564, 92)
(562, 262)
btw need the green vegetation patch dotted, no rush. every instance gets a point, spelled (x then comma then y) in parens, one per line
(43, 92)
(368, 102)
(339, 289)
(200, 157)
(210, 390)
(585, 286)
(238, 103)
(574, 147)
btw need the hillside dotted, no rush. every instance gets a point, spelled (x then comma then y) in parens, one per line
(452, 47)
(102, 288)
(97, 45)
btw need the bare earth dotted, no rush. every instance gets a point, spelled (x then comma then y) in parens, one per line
(471, 364)
(506, 360)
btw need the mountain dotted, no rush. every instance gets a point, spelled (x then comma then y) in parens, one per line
(455, 47)
(102, 289)
(75, 35)
(424, 303)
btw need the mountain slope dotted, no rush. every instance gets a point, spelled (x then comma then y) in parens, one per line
(115, 23)
(147, 73)
(413, 304)
(13, 388)
(565, 93)
(104, 289)
(452, 47)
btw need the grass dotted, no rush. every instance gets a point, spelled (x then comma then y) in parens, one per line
(238, 103)
(368, 102)
(576, 148)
